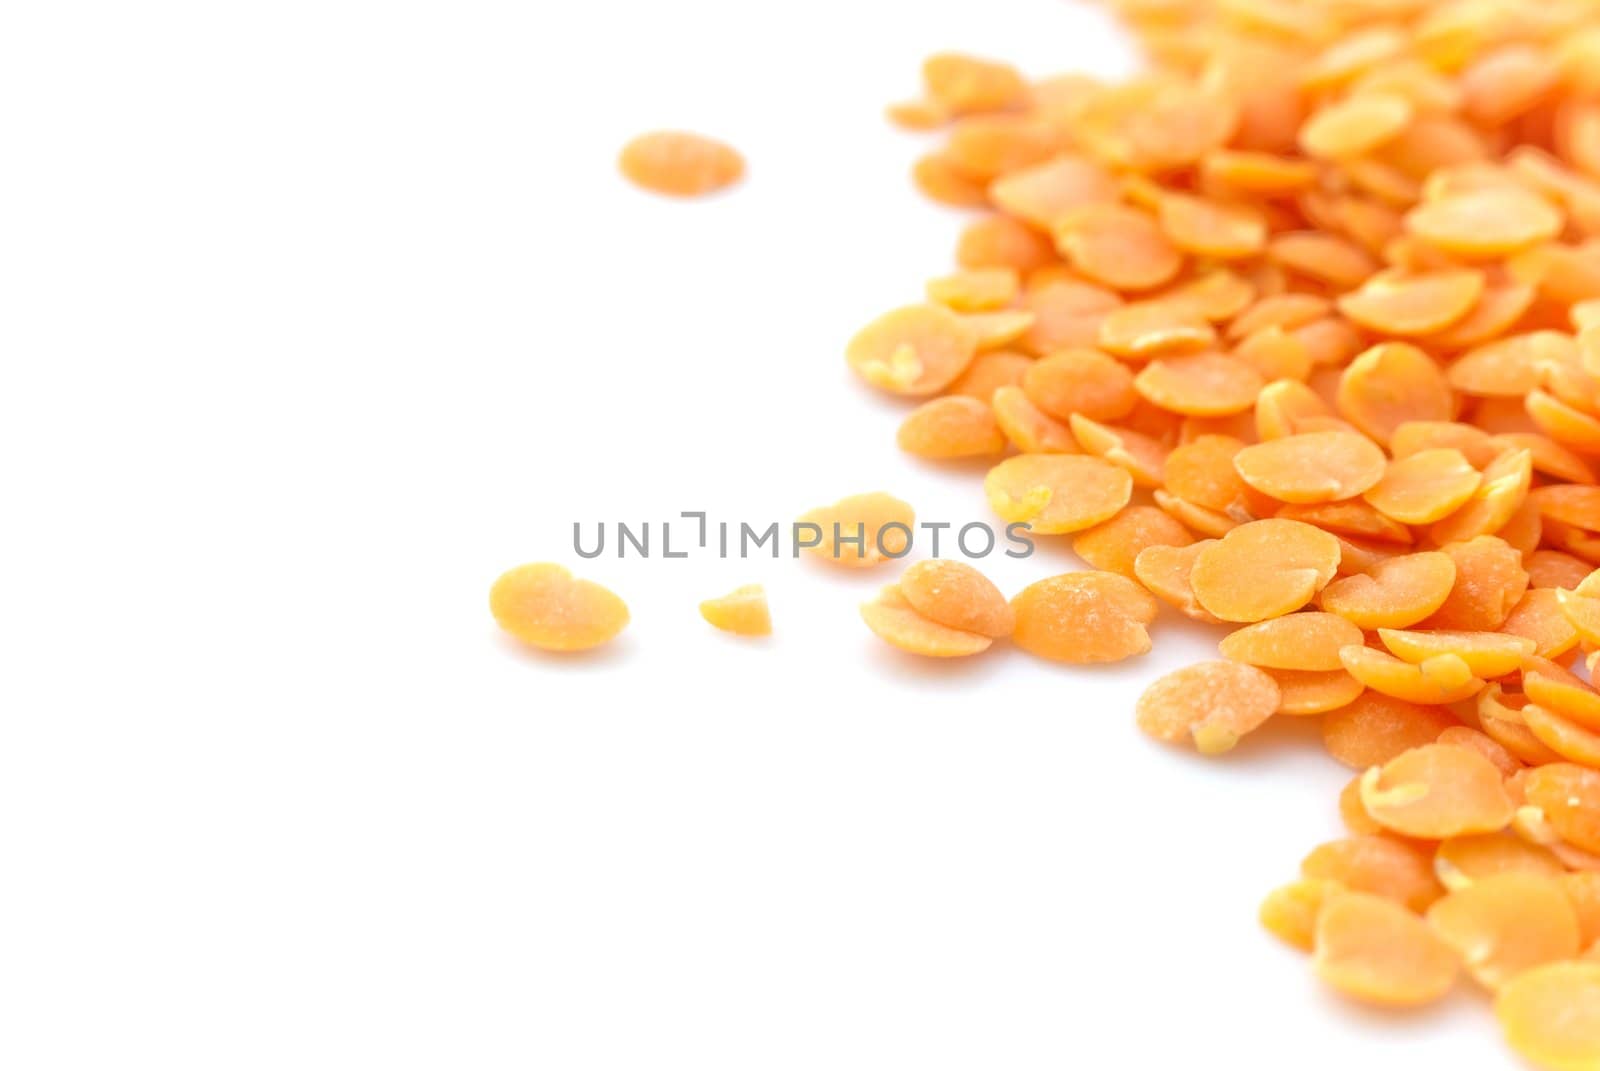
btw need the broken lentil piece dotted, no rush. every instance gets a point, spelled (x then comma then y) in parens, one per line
(743, 611)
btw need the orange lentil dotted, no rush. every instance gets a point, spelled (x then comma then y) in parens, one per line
(1400, 303)
(680, 164)
(979, 290)
(1486, 654)
(1118, 246)
(545, 606)
(1208, 228)
(1569, 797)
(1554, 569)
(1314, 691)
(914, 350)
(1066, 314)
(998, 241)
(1141, 456)
(1201, 471)
(1207, 522)
(1415, 436)
(1114, 546)
(941, 179)
(1256, 172)
(1202, 384)
(1502, 305)
(1376, 951)
(1437, 791)
(1510, 366)
(1276, 354)
(1321, 466)
(1029, 428)
(998, 328)
(1349, 518)
(1461, 736)
(1379, 864)
(1565, 695)
(1390, 384)
(1141, 330)
(1083, 617)
(1303, 641)
(1375, 728)
(1057, 493)
(983, 147)
(892, 617)
(1044, 195)
(1264, 569)
(1322, 258)
(1290, 911)
(955, 595)
(961, 84)
(1546, 456)
(917, 114)
(1503, 924)
(1551, 1015)
(1583, 890)
(1489, 222)
(1356, 125)
(1081, 381)
(1465, 859)
(743, 611)
(1354, 813)
(1582, 613)
(1288, 407)
(1211, 704)
(1444, 678)
(1489, 581)
(1499, 495)
(861, 531)
(1424, 487)
(1165, 571)
(1562, 735)
(989, 372)
(1396, 593)
(1217, 294)
(951, 427)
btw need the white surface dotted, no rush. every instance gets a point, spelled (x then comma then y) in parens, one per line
(316, 317)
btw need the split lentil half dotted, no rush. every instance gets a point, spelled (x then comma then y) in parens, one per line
(1299, 334)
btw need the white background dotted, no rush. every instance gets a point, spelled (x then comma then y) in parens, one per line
(316, 316)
